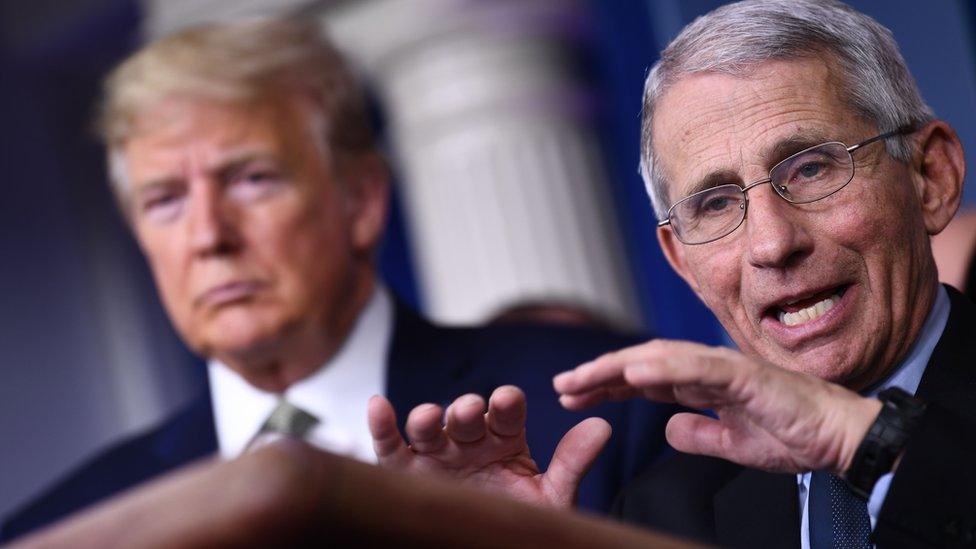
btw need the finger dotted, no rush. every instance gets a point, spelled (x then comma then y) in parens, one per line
(507, 411)
(466, 418)
(589, 376)
(425, 430)
(658, 348)
(696, 434)
(686, 367)
(608, 369)
(583, 401)
(573, 457)
(658, 393)
(389, 446)
(598, 396)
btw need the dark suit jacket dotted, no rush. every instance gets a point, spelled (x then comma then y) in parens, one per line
(426, 363)
(931, 501)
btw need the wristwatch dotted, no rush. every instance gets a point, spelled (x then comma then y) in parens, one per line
(887, 437)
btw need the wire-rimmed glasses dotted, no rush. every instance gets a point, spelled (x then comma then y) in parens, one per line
(807, 176)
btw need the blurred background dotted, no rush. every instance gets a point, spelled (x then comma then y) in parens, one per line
(512, 127)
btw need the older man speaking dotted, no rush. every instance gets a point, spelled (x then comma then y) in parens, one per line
(798, 176)
(243, 160)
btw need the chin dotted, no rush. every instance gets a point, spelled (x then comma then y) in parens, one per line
(240, 336)
(822, 362)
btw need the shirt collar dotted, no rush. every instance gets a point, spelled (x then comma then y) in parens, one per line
(909, 372)
(336, 393)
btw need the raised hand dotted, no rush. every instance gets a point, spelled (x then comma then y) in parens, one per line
(768, 417)
(486, 449)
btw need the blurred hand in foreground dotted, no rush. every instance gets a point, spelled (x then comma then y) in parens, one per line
(486, 449)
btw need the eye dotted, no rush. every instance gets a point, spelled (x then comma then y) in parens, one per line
(256, 182)
(260, 177)
(810, 170)
(161, 204)
(715, 204)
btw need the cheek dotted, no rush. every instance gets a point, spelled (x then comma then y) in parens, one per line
(176, 294)
(308, 250)
(865, 227)
(717, 273)
(165, 258)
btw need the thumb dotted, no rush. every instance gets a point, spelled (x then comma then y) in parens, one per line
(573, 457)
(696, 434)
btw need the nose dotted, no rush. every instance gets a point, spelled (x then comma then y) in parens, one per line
(776, 235)
(210, 225)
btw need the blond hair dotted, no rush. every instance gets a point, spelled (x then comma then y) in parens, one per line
(237, 63)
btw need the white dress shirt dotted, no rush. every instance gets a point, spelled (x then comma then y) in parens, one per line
(337, 393)
(906, 376)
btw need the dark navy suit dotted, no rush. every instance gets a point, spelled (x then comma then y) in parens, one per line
(426, 363)
(930, 501)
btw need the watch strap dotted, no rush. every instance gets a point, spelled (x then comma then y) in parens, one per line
(885, 440)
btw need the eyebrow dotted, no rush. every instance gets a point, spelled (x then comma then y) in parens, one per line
(782, 149)
(224, 169)
(153, 184)
(772, 155)
(715, 179)
(234, 163)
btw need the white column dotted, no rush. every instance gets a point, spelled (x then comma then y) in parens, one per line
(506, 191)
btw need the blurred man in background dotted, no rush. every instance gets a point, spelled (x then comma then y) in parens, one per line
(242, 158)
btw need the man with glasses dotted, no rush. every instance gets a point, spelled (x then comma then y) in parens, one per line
(848, 414)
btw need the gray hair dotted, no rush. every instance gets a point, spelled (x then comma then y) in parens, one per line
(735, 38)
(236, 63)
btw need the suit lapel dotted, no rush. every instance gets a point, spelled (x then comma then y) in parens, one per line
(758, 509)
(425, 363)
(188, 436)
(950, 377)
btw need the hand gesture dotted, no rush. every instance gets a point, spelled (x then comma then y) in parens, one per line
(486, 449)
(768, 417)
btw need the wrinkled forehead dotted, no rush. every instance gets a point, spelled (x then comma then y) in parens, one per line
(711, 129)
(177, 115)
(179, 126)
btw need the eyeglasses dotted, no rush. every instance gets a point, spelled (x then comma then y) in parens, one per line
(807, 176)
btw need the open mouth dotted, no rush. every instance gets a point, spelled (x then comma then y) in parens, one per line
(806, 309)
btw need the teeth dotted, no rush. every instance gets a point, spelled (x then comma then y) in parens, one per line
(806, 315)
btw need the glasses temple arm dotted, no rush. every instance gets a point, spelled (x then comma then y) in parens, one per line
(909, 128)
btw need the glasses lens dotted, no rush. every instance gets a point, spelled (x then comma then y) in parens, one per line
(709, 214)
(814, 173)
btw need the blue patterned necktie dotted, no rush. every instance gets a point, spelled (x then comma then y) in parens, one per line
(838, 518)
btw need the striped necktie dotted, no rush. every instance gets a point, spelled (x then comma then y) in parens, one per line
(285, 420)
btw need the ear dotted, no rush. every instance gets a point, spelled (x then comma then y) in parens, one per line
(674, 252)
(940, 167)
(368, 181)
